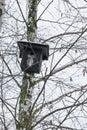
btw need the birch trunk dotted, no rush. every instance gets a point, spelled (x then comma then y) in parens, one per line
(25, 104)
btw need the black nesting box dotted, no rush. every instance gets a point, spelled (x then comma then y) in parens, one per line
(32, 55)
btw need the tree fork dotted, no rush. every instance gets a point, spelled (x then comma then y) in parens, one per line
(25, 104)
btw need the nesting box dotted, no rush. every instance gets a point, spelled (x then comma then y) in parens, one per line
(32, 55)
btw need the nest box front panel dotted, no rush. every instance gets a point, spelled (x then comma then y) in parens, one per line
(31, 61)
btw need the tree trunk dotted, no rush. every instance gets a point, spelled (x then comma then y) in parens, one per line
(25, 103)
(32, 20)
(2, 6)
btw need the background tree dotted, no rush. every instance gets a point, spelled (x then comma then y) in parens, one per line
(2, 6)
(59, 96)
